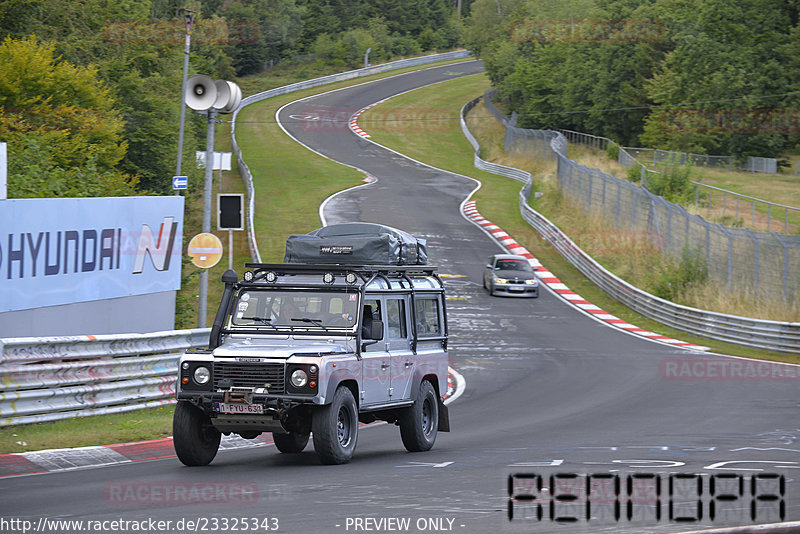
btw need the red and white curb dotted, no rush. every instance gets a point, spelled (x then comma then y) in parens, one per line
(557, 286)
(354, 119)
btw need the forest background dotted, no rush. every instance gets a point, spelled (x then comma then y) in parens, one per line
(90, 90)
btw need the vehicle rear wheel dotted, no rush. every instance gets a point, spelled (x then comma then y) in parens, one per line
(335, 428)
(290, 443)
(419, 423)
(195, 440)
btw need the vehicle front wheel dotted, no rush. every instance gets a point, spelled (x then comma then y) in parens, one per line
(335, 428)
(290, 443)
(195, 440)
(419, 423)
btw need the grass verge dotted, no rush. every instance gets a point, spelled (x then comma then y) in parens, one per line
(497, 199)
(139, 425)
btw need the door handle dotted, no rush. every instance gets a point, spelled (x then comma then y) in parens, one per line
(409, 364)
(384, 366)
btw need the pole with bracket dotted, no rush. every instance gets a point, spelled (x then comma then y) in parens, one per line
(189, 17)
(209, 180)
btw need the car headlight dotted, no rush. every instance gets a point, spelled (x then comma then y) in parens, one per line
(202, 375)
(501, 280)
(299, 378)
(531, 282)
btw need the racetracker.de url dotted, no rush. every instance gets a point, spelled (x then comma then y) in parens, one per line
(141, 526)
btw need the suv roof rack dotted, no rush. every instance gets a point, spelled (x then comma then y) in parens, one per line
(309, 268)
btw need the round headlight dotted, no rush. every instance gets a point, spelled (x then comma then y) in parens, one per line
(299, 378)
(202, 375)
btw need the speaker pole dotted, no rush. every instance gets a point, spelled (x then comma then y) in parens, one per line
(209, 179)
(189, 18)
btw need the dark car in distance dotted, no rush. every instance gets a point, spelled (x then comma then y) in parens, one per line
(510, 275)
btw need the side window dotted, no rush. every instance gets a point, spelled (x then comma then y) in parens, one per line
(396, 318)
(375, 306)
(427, 311)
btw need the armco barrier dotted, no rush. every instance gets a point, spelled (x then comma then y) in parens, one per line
(51, 378)
(771, 335)
(244, 170)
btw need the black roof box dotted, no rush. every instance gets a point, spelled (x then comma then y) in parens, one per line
(357, 244)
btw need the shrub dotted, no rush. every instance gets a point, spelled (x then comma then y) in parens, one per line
(691, 270)
(613, 151)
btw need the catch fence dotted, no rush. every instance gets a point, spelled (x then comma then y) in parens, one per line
(756, 263)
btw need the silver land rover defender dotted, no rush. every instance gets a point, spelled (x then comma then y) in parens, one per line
(317, 347)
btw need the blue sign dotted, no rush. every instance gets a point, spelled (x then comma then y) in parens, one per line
(180, 182)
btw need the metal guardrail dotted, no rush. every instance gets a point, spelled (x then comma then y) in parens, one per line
(244, 170)
(52, 378)
(771, 335)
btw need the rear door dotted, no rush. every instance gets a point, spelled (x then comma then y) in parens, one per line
(376, 366)
(398, 345)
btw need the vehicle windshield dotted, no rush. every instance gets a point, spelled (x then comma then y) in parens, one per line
(513, 265)
(305, 310)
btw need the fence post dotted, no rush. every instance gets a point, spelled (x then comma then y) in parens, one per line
(785, 266)
(730, 257)
(653, 216)
(755, 260)
(769, 215)
(669, 225)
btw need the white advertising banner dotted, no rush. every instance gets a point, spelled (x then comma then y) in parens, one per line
(57, 251)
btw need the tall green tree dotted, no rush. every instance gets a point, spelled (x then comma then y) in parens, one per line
(64, 136)
(728, 57)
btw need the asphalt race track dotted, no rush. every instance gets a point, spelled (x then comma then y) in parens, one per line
(549, 391)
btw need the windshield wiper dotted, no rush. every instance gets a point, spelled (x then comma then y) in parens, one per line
(264, 320)
(315, 322)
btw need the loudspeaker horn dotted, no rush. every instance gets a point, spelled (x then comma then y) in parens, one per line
(229, 95)
(236, 99)
(201, 92)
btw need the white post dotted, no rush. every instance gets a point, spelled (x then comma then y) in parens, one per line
(3, 174)
(230, 249)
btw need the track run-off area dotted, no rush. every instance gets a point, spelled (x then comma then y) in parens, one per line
(556, 404)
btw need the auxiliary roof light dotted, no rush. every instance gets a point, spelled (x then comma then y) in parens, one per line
(350, 278)
(248, 276)
(271, 276)
(328, 278)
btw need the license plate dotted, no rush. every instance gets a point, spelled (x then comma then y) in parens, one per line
(516, 288)
(230, 407)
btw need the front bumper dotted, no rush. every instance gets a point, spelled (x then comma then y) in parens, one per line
(206, 399)
(515, 290)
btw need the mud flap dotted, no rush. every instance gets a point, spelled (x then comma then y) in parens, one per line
(444, 417)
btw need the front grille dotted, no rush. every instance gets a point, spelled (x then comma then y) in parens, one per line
(250, 375)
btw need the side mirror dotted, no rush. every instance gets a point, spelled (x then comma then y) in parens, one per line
(376, 332)
(488, 265)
